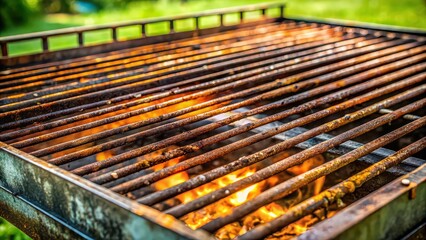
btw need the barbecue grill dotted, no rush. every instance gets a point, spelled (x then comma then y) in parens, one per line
(268, 127)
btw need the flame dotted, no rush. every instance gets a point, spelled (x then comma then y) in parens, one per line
(307, 165)
(222, 207)
(225, 206)
(104, 155)
(172, 180)
(299, 229)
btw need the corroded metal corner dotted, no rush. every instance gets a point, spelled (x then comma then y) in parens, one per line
(377, 215)
(46, 201)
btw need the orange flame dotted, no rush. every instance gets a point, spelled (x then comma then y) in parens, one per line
(225, 206)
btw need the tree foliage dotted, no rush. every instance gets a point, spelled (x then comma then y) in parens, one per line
(56, 6)
(13, 12)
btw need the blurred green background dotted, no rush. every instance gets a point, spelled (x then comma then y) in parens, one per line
(25, 16)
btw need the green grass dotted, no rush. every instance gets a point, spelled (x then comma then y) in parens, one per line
(407, 13)
(8, 231)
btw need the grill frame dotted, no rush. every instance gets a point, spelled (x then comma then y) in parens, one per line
(82, 50)
(22, 169)
(373, 216)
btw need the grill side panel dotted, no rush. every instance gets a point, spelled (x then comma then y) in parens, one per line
(91, 212)
(33, 220)
(389, 213)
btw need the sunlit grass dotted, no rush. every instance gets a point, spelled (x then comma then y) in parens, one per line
(408, 13)
(8, 231)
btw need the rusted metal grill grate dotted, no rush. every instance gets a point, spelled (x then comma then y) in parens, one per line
(207, 107)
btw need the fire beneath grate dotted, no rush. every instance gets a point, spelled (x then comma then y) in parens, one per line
(227, 132)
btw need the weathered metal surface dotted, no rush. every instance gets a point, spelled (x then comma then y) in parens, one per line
(82, 50)
(47, 57)
(218, 85)
(139, 51)
(180, 53)
(118, 159)
(363, 27)
(297, 182)
(410, 117)
(249, 126)
(280, 166)
(407, 165)
(333, 194)
(92, 210)
(214, 154)
(388, 213)
(124, 84)
(34, 221)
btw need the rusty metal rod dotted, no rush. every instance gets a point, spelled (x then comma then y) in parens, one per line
(39, 36)
(155, 63)
(77, 154)
(234, 77)
(225, 135)
(59, 90)
(298, 158)
(138, 152)
(126, 88)
(68, 131)
(123, 53)
(132, 76)
(233, 48)
(140, 53)
(144, 92)
(127, 82)
(349, 185)
(410, 117)
(221, 171)
(212, 76)
(153, 177)
(207, 92)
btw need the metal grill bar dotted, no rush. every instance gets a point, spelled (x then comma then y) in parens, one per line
(4, 41)
(117, 99)
(347, 186)
(300, 157)
(407, 116)
(172, 47)
(186, 149)
(150, 71)
(157, 146)
(177, 91)
(231, 147)
(158, 196)
(133, 83)
(196, 107)
(228, 85)
(244, 47)
(273, 194)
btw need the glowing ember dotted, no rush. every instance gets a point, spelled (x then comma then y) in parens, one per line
(144, 116)
(225, 206)
(104, 155)
(203, 216)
